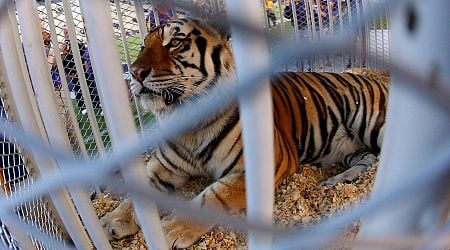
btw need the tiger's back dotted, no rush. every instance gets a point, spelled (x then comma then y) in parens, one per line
(328, 116)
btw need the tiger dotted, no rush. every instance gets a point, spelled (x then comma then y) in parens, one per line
(320, 118)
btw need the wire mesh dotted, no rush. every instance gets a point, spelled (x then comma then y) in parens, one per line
(16, 175)
(317, 20)
(323, 19)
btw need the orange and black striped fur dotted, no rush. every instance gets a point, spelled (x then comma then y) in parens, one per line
(318, 118)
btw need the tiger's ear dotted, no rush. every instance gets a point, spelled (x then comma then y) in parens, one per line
(217, 23)
(220, 24)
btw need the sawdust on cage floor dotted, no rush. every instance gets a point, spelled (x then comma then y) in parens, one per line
(299, 201)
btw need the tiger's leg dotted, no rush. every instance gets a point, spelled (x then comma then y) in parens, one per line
(121, 221)
(357, 162)
(225, 195)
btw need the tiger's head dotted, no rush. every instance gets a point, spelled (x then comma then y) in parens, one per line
(181, 61)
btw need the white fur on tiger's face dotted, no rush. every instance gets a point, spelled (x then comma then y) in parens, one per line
(180, 61)
(318, 118)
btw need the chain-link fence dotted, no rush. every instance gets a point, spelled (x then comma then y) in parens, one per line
(324, 19)
(17, 174)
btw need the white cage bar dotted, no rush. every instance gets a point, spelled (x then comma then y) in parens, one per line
(416, 128)
(119, 117)
(55, 130)
(255, 111)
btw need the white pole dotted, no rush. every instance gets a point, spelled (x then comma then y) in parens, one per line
(23, 65)
(42, 83)
(65, 87)
(416, 128)
(61, 199)
(140, 16)
(119, 118)
(251, 54)
(128, 59)
(82, 79)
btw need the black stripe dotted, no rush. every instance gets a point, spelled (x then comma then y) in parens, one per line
(172, 167)
(355, 100)
(224, 204)
(310, 147)
(185, 48)
(350, 89)
(374, 137)
(331, 88)
(196, 32)
(188, 65)
(235, 143)
(331, 133)
(201, 45)
(300, 82)
(180, 152)
(206, 153)
(319, 104)
(231, 166)
(168, 186)
(364, 105)
(216, 59)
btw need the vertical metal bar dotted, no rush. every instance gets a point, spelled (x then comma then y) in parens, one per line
(294, 16)
(360, 34)
(174, 10)
(81, 78)
(33, 47)
(119, 118)
(375, 31)
(309, 31)
(365, 35)
(155, 13)
(283, 30)
(65, 86)
(341, 28)
(416, 128)
(331, 31)
(257, 122)
(319, 16)
(313, 24)
(127, 56)
(219, 9)
(23, 65)
(296, 31)
(61, 199)
(140, 16)
(389, 38)
(355, 40)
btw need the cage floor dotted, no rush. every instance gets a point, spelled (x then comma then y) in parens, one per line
(299, 201)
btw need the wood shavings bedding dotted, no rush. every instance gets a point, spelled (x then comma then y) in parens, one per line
(299, 201)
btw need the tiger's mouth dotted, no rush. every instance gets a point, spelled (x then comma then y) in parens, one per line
(169, 95)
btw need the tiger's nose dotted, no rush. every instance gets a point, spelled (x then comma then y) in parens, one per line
(140, 73)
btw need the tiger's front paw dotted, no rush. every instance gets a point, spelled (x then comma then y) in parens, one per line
(135, 87)
(182, 232)
(120, 222)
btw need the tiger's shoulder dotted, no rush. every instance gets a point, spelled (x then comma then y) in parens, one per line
(381, 76)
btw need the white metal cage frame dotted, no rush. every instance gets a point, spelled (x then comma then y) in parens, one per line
(84, 129)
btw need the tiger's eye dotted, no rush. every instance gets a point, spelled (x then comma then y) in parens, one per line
(175, 43)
